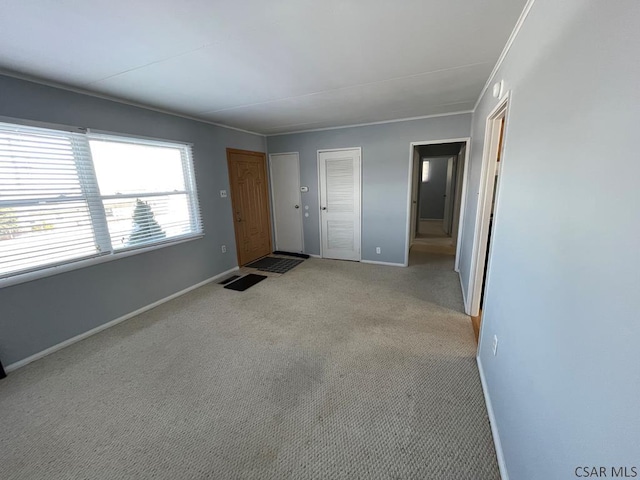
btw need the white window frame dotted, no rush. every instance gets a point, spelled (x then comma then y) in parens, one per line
(95, 203)
(425, 170)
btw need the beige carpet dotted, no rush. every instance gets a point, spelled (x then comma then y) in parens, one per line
(335, 370)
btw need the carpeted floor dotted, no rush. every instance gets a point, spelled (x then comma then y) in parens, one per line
(336, 370)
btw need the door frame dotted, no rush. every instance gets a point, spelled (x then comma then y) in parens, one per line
(415, 189)
(263, 156)
(449, 201)
(479, 254)
(273, 202)
(465, 177)
(322, 150)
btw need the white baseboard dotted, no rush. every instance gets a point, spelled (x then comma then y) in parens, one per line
(492, 421)
(314, 255)
(373, 262)
(104, 326)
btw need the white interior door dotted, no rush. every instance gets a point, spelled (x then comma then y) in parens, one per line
(448, 200)
(340, 190)
(285, 193)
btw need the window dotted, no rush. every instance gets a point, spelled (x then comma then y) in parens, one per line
(68, 196)
(425, 171)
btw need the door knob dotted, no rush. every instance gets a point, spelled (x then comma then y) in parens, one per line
(323, 208)
(297, 206)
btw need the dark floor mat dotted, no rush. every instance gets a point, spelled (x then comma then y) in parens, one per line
(265, 262)
(291, 254)
(245, 282)
(230, 279)
(283, 265)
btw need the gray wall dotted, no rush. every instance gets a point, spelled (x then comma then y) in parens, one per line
(432, 192)
(564, 275)
(385, 170)
(42, 313)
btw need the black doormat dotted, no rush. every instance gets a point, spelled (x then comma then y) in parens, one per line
(291, 254)
(283, 265)
(230, 279)
(245, 282)
(265, 262)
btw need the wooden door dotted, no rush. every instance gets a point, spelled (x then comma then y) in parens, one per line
(250, 203)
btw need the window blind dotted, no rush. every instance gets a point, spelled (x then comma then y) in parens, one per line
(66, 196)
(147, 190)
(45, 215)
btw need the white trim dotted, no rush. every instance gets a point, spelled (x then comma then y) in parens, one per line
(81, 91)
(48, 125)
(107, 135)
(504, 474)
(322, 150)
(319, 203)
(505, 50)
(412, 145)
(463, 199)
(390, 264)
(313, 255)
(483, 209)
(382, 122)
(104, 326)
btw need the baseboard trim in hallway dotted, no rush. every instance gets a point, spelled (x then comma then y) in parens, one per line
(492, 421)
(389, 264)
(104, 326)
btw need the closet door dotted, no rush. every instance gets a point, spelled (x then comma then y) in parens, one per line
(340, 193)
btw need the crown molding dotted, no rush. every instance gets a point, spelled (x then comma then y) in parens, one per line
(382, 122)
(81, 91)
(505, 50)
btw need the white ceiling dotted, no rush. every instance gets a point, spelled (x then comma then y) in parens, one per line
(266, 66)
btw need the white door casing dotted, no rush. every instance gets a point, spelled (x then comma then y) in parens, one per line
(479, 258)
(286, 200)
(448, 198)
(339, 174)
(415, 193)
(410, 179)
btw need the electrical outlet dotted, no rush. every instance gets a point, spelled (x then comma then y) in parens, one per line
(224, 249)
(223, 193)
(495, 345)
(378, 250)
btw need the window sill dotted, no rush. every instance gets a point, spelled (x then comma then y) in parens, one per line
(88, 262)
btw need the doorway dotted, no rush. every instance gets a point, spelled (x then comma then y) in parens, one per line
(487, 208)
(437, 180)
(339, 175)
(286, 200)
(250, 203)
